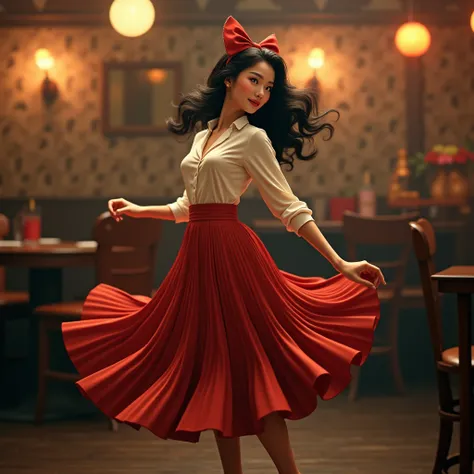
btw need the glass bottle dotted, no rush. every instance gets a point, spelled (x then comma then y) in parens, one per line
(367, 197)
(31, 222)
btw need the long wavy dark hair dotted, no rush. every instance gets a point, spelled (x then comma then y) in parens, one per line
(289, 117)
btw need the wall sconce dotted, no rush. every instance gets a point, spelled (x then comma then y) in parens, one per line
(49, 89)
(315, 62)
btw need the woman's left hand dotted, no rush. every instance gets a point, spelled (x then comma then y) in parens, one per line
(363, 272)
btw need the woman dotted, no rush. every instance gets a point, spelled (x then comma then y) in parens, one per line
(229, 342)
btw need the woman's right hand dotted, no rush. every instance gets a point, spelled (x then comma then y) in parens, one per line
(120, 207)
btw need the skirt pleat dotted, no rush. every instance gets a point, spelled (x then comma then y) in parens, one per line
(227, 338)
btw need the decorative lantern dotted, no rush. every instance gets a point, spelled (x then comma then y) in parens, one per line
(315, 62)
(132, 18)
(44, 60)
(316, 58)
(49, 89)
(413, 39)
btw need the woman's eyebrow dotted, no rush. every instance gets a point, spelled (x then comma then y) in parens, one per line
(259, 75)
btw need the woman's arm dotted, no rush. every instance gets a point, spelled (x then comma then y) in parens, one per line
(180, 209)
(311, 233)
(157, 212)
(177, 211)
(361, 272)
(261, 164)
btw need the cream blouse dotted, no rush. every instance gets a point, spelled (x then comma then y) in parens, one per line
(241, 154)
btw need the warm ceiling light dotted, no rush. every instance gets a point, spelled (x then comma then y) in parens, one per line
(43, 59)
(316, 58)
(132, 18)
(472, 21)
(413, 39)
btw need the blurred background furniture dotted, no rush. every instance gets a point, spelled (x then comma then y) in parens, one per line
(13, 304)
(45, 262)
(446, 360)
(391, 234)
(125, 258)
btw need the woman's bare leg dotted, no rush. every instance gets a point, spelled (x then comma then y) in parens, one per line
(276, 441)
(229, 452)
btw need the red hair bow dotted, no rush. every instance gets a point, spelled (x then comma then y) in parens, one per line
(237, 40)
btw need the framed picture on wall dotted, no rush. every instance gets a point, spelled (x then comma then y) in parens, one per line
(138, 97)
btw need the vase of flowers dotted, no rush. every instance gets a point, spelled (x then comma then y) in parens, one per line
(450, 164)
(452, 160)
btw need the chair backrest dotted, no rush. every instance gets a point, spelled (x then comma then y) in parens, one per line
(424, 244)
(381, 231)
(4, 229)
(126, 252)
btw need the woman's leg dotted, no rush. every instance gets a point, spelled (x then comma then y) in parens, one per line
(229, 452)
(276, 441)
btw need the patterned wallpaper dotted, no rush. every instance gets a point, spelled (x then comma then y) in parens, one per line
(449, 85)
(62, 152)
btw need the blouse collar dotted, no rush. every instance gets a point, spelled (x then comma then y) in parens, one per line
(239, 123)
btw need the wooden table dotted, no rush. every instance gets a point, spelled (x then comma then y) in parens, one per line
(457, 227)
(460, 280)
(45, 262)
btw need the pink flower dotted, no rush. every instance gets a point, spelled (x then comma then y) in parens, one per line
(448, 155)
(445, 159)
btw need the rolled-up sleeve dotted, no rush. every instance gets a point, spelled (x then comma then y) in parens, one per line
(180, 208)
(262, 166)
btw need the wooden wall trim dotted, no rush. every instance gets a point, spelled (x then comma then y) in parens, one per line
(366, 18)
(414, 105)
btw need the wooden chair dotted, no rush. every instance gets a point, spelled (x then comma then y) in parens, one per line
(125, 258)
(13, 304)
(9, 298)
(446, 360)
(382, 231)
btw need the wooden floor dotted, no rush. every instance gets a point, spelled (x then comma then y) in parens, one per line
(375, 435)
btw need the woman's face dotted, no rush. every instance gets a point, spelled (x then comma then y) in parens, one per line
(251, 90)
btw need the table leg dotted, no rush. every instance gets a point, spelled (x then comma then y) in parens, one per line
(465, 400)
(45, 286)
(461, 246)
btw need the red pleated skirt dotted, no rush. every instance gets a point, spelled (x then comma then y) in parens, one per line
(227, 339)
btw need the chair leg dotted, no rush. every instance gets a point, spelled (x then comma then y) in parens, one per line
(354, 386)
(42, 368)
(2, 353)
(113, 425)
(396, 371)
(394, 354)
(444, 443)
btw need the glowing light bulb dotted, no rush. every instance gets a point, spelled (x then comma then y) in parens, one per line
(413, 39)
(44, 60)
(132, 18)
(316, 58)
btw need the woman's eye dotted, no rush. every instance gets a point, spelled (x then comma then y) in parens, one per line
(253, 79)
